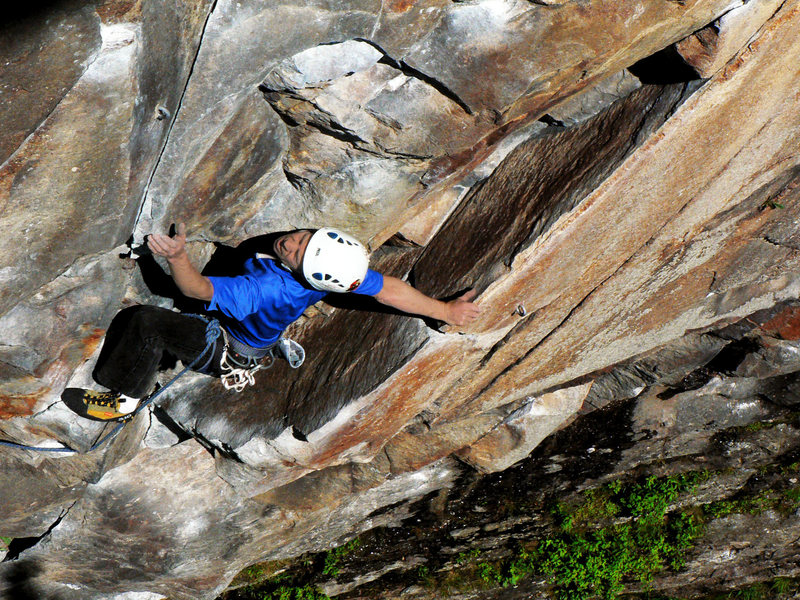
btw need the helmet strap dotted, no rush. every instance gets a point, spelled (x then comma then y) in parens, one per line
(278, 261)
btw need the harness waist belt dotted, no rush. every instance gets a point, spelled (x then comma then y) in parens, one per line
(245, 350)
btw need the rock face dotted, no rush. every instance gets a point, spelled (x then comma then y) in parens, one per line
(497, 144)
(706, 404)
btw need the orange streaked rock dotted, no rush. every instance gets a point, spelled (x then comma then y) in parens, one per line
(709, 49)
(591, 297)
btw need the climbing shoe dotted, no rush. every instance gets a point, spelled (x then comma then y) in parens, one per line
(98, 406)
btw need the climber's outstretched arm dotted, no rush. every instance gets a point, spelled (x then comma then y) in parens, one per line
(400, 295)
(188, 279)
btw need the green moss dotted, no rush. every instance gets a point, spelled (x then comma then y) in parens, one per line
(288, 592)
(467, 556)
(255, 572)
(759, 426)
(785, 502)
(259, 572)
(280, 587)
(772, 204)
(490, 574)
(615, 533)
(782, 586)
(777, 589)
(748, 505)
(583, 562)
(334, 557)
(757, 591)
(289, 580)
(4, 542)
(425, 577)
(601, 541)
(793, 495)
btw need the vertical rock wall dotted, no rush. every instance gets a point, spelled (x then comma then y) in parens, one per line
(614, 229)
(717, 406)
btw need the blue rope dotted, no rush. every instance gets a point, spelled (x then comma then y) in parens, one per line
(213, 331)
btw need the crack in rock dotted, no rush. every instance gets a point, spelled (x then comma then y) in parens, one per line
(440, 87)
(23, 544)
(295, 87)
(166, 138)
(780, 243)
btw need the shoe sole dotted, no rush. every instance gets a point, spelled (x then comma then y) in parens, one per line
(73, 398)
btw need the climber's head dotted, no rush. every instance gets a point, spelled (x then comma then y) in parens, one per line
(334, 261)
(329, 260)
(290, 248)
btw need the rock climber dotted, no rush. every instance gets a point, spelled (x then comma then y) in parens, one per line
(254, 309)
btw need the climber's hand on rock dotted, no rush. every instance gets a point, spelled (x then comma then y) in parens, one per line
(189, 280)
(462, 311)
(166, 246)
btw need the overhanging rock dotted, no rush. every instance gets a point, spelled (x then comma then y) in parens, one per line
(673, 209)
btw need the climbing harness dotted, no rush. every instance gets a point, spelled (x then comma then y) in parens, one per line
(239, 363)
(237, 376)
(238, 372)
(213, 331)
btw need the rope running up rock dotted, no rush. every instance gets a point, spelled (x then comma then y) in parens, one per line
(213, 331)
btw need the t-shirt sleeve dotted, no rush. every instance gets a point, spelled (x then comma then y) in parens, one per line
(235, 297)
(372, 284)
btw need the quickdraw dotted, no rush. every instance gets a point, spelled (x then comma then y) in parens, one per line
(235, 376)
(238, 375)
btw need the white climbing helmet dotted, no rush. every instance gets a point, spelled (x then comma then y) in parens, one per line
(334, 261)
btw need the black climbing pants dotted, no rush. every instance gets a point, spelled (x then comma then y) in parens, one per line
(137, 341)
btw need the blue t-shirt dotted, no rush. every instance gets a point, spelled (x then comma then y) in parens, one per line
(258, 305)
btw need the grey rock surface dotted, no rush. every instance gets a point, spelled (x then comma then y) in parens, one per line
(98, 137)
(632, 216)
(748, 446)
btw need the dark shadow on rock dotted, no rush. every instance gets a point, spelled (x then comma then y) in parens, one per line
(18, 545)
(783, 390)
(160, 283)
(155, 278)
(536, 184)
(161, 415)
(228, 261)
(20, 583)
(20, 14)
(664, 67)
(359, 302)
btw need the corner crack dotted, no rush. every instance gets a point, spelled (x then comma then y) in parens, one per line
(780, 243)
(175, 114)
(410, 71)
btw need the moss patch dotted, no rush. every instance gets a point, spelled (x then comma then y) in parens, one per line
(290, 580)
(614, 533)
